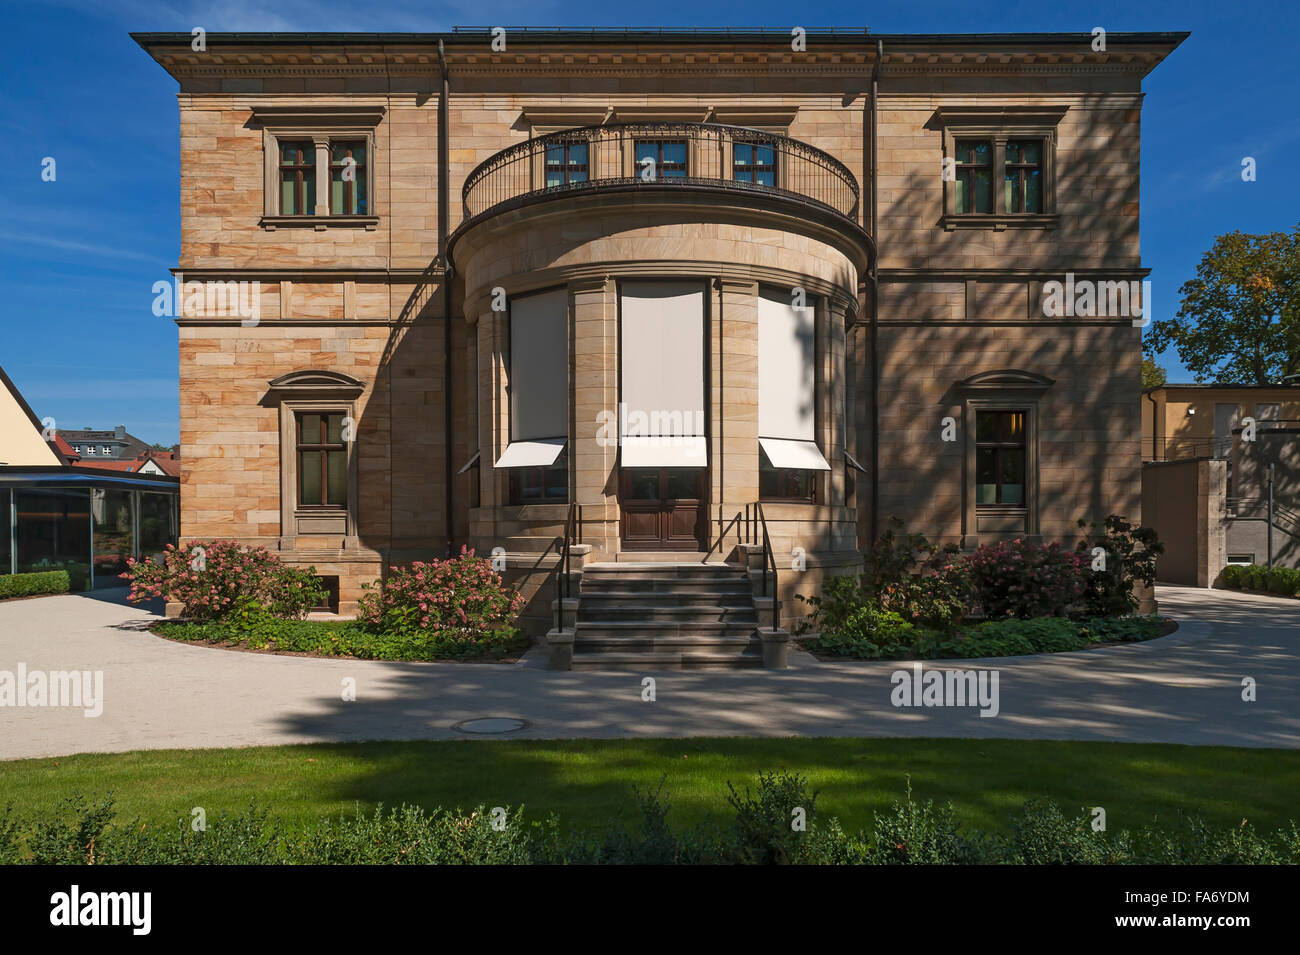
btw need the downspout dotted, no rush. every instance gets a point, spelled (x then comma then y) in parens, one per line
(1150, 396)
(444, 173)
(875, 299)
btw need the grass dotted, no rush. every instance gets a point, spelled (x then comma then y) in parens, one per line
(589, 782)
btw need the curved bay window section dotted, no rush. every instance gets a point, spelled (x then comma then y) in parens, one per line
(538, 399)
(666, 154)
(789, 458)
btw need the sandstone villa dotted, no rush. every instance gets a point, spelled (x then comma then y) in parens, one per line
(686, 315)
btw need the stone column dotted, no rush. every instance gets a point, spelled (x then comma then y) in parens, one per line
(734, 451)
(594, 401)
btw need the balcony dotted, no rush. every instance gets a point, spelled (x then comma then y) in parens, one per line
(661, 156)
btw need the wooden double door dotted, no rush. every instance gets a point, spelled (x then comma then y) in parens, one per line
(663, 508)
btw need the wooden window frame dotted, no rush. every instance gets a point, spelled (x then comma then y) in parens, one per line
(998, 447)
(306, 161)
(754, 168)
(1001, 125)
(1022, 170)
(568, 167)
(323, 127)
(967, 169)
(659, 143)
(361, 175)
(322, 448)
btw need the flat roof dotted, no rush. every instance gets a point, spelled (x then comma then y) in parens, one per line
(464, 35)
(79, 476)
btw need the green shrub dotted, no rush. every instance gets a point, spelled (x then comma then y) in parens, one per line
(1130, 558)
(1043, 835)
(1023, 578)
(850, 626)
(30, 585)
(1232, 576)
(914, 833)
(922, 582)
(348, 638)
(1282, 580)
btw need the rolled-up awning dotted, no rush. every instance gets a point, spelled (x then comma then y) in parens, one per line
(800, 455)
(664, 452)
(540, 453)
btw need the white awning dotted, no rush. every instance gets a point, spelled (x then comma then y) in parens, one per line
(531, 454)
(800, 455)
(664, 452)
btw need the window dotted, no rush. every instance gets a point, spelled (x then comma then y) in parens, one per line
(999, 166)
(566, 163)
(667, 158)
(785, 484)
(1000, 458)
(319, 155)
(541, 484)
(105, 450)
(348, 178)
(754, 162)
(322, 461)
(1023, 176)
(297, 178)
(973, 189)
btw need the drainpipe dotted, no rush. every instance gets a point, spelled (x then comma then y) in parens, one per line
(444, 191)
(1150, 396)
(875, 300)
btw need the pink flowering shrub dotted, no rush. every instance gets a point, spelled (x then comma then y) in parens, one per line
(462, 593)
(1020, 578)
(218, 579)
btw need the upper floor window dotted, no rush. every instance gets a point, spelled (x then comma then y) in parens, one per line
(1023, 176)
(320, 167)
(667, 158)
(297, 178)
(754, 162)
(973, 191)
(348, 179)
(566, 162)
(1000, 457)
(999, 166)
(322, 460)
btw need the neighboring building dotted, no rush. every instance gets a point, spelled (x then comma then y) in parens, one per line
(151, 461)
(1191, 420)
(681, 226)
(115, 445)
(1206, 483)
(62, 515)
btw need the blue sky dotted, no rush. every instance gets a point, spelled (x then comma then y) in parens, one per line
(78, 256)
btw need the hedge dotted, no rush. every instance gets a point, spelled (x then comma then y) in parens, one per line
(1284, 581)
(30, 585)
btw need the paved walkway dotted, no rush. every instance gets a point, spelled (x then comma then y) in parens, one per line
(1185, 688)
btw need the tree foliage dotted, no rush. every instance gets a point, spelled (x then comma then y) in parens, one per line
(1239, 320)
(1153, 376)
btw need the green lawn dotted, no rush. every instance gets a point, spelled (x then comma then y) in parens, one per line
(590, 781)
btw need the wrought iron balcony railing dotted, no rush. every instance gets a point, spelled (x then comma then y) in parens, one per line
(710, 156)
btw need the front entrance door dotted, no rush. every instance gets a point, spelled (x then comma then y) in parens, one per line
(663, 508)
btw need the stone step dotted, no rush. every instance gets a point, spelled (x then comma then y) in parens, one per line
(664, 585)
(649, 611)
(668, 660)
(701, 598)
(653, 569)
(646, 643)
(703, 629)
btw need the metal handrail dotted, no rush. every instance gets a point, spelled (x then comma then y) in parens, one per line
(563, 582)
(769, 555)
(800, 171)
(722, 535)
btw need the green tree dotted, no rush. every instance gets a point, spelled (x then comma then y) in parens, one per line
(1239, 320)
(1153, 376)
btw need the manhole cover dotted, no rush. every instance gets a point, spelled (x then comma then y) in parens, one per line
(490, 724)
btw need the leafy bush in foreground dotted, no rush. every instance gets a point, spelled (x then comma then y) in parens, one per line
(82, 832)
(30, 585)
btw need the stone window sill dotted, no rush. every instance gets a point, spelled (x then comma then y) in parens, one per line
(999, 222)
(319, 223)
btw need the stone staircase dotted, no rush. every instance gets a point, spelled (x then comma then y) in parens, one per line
(660, 614)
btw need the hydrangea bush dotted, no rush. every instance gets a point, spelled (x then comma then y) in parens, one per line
(218, 579)
(461, 593)
(1024, 579)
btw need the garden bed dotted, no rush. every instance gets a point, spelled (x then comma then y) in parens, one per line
(1001, 638)
(349, 638)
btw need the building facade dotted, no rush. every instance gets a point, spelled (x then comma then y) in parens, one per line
(620, 288)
